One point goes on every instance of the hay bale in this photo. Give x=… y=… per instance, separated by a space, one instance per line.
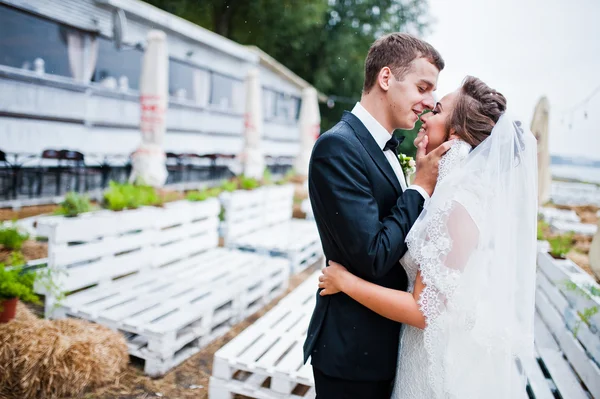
x=53 y=359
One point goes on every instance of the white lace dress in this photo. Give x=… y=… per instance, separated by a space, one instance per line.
x=411 y=377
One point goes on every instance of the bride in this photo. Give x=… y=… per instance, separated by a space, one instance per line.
x=468 y=315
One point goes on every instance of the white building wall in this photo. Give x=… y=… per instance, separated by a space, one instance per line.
x=37 y=113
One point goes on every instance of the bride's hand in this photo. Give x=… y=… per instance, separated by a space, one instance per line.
x=333 y=279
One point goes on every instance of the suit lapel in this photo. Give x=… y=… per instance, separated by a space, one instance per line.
x=372 y=149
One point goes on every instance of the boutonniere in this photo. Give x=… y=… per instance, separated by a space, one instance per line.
x=408 y=165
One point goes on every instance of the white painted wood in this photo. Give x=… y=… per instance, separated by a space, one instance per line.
x=537 y=382
x=562 y=226
x=269 y=348
x=581 y=331
x=156 y=275
x=552 y=214
x=574 y=284
x=574 y=352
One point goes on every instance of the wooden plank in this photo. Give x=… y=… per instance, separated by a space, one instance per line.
x=574 y=284
x=581 y=331
x=576 y=355
x=537 y=381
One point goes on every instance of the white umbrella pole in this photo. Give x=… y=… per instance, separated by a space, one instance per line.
x=539 y=127
x=310 y=124
x=252 y=156
x=149 y=161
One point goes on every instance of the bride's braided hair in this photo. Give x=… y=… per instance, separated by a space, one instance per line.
x=477 y=109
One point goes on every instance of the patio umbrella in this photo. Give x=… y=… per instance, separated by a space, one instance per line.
x=252 y=158
x=310 y=124
x=539 y=127
x=148 y=161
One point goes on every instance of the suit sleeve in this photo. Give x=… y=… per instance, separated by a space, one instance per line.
x=341 y=190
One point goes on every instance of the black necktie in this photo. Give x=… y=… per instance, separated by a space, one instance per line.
x=393 y=143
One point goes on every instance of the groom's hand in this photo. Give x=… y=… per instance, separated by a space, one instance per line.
x=428 y=164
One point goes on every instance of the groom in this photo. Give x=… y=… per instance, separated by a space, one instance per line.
x=364 y=210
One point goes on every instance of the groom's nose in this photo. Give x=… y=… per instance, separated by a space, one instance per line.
x=428 y=101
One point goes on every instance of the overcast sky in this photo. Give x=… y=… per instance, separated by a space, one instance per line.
x=526 y=49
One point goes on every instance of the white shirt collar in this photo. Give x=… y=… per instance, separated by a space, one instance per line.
x=379 y=133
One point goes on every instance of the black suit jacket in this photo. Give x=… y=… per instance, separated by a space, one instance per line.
x=363 y=218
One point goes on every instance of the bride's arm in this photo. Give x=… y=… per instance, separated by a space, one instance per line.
x=396 y=305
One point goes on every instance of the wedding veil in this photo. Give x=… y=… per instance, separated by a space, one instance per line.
x=476 y=246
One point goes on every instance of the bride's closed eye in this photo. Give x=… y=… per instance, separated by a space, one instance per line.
x=437 y=109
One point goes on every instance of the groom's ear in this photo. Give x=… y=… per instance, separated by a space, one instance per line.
x=383 y=78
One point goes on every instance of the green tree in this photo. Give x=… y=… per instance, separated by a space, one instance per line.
x=323 y=41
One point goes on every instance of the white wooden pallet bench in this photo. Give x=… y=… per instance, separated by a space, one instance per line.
x=568 y=193
x=157 y=276
x=567 y=348
x=265 y=360
x=565 y=215
x=562 y=226
x=261 y=221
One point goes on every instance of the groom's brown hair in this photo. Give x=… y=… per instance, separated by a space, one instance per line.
x=397 y=51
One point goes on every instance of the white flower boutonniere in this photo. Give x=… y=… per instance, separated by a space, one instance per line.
x=408 y=165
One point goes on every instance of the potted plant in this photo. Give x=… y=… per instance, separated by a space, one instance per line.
x=15 y=284
x=12 y=238
x=74 y=204
x=560 y=245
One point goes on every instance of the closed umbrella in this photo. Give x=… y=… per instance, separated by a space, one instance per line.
x=539 y=127
x=148 y=161
x=252 y=157
x=310 y=125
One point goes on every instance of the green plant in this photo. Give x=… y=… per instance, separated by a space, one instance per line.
x=287 y=177
x=542 y=227
x=17 y=258
x=17 y=283
x=560 y=245
x=229 y=186
x=201 y=195
x=267 y=178
x=128 y=196
x=248 y=183
x=587 y=313
x=197 y=195
x=74 y=204
x=11 y=237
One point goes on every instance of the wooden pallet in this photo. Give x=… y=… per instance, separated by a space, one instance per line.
x=296 y=240
x=561 y=226
x=156 y=275
x=265 y=360
x=565 y=215
x=261 y=221
x=568 y=350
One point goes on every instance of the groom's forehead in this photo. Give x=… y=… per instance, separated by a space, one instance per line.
x=426 y=72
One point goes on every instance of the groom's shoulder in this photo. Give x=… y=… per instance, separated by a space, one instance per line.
x=340 y=136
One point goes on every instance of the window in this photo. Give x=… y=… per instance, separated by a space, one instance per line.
x=280 y=107
x=181 y=80
x=113 y=65
x=221 y=93
x=25 y=38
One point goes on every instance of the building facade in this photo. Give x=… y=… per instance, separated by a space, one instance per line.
x=70 y=71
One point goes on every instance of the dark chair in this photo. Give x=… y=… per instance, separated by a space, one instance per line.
x=75 y=167
x=55 y=170
x=175 y=168
x=6 y=177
